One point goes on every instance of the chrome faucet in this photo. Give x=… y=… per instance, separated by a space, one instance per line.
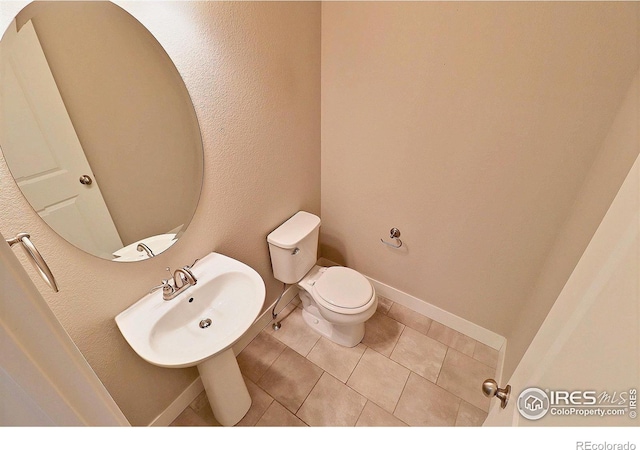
x=142 y=247
x=182 y=279
x=185 y=277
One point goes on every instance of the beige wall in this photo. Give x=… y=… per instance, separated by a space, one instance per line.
x=616 y=156
x=471 y=127
x=130 y=109
x=253 y=70
x=591 y=337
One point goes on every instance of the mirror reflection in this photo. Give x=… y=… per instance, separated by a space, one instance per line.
x=98 y=129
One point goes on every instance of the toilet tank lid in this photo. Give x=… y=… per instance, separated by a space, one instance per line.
x=290 y=233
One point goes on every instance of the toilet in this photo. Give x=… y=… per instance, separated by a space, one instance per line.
x=336 y=301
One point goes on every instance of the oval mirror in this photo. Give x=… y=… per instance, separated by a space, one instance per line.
x=98 y=129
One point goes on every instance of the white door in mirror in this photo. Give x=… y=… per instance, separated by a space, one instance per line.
x=45 y=156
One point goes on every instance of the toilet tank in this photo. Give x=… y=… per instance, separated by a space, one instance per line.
x=293 y=247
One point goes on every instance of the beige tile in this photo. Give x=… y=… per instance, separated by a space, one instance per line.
x=470 y=416
x=420 y=354
x=260 y=402
x=452 y=338
x=202 y=408
x=384 y=304
x=295 y=333
x=374 y=416
x=463 y=376
x=486 y=355
x=256 y=357
x=189 y=418
x=410 y=318
x=290 y=379
x=332 y=404
x=379 y=379
x=382 y=333
x=336 y=359
x=424 y=404
x=279 y=416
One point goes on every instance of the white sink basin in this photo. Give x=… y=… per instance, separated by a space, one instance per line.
x=199 y=326
x=168 y=334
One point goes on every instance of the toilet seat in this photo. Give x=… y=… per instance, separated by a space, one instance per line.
x=343 y=290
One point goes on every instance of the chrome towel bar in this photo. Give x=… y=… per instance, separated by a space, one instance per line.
x=36 y=258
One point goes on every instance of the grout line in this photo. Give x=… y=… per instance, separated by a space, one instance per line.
x=358 y=362
x=446 y=390
x=362 y=410
x=404 y=386
x=404 y=327
x=270 y=364
x=265 y=410
x=441 y=366
x=345 y=383
x=315 y=344
x=457 y=412
x=310 y=391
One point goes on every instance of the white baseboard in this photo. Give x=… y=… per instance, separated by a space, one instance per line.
x=502 y=353
x=170 y=414
x=446 y=318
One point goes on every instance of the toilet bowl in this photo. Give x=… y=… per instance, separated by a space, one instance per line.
x=336 y=301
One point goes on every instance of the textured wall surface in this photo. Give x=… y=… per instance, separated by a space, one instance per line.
x=253 y=72
x=470 y=126
x=482 y=130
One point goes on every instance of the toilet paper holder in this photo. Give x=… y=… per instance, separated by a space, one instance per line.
x=394 y=233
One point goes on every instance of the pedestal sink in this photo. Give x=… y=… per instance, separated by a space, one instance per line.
x=198 y=328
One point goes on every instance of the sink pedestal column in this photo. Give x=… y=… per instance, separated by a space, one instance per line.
x=225 y=387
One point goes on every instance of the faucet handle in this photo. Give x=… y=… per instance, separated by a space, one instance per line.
x=165 y=286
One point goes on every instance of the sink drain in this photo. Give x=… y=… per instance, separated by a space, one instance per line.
x=205 y=323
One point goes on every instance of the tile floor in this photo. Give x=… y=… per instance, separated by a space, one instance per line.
x=408 y=371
